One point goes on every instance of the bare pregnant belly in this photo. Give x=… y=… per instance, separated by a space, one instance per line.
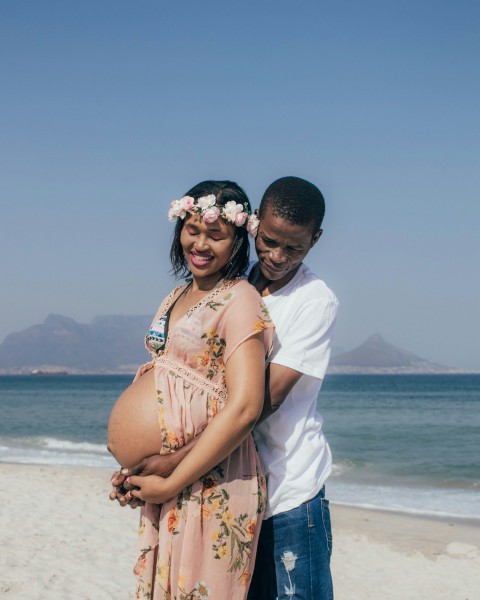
x=133 y=428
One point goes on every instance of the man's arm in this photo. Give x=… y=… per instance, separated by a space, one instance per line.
x=279 y=382
x=306 y=351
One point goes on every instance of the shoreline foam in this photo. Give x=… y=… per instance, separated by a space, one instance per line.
x=66 y=454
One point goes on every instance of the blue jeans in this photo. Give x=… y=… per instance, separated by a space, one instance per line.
x=293 y=556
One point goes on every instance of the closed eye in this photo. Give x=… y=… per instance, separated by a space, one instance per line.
x=269 y=242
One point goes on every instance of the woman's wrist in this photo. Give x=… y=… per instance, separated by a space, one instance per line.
x=175 y=484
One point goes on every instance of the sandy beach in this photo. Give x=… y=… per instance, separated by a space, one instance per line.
x=62 y=538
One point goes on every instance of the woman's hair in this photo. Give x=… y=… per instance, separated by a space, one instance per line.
x=224 y=191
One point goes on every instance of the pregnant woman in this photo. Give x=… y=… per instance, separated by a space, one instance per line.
x=208 y=342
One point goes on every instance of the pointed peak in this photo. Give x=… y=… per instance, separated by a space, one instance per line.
x=377 y=352
x=376 y=338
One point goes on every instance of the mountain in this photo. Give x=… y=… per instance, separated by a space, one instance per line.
x=114 y=344
x=109 y=343
x=377 y=355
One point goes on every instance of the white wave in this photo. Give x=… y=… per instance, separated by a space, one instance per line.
x=48 y=457
x=340 y=468
x=55 y=451
x=58 y=444
x=411 y=511
x=400 y=498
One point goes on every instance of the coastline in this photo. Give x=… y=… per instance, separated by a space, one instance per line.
x=65 y=539
x=49 y=371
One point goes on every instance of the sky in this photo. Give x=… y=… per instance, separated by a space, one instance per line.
x=111 y=109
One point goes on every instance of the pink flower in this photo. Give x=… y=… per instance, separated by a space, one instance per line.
x=240 y=218
x=210 y=214
x=252 y=225
x=187 y=202
x=206 y=202
x=229 y=211
x=234 y=213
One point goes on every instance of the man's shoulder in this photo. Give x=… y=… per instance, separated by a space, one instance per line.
x=309 y=287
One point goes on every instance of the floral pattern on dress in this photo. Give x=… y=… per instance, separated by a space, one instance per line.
x=211 y=357
x=201 y=544
x=233 y=535
x=170 y=440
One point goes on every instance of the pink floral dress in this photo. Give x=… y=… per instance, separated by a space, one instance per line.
x=201 y=545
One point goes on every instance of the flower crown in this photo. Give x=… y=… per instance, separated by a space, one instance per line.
x=234 y=213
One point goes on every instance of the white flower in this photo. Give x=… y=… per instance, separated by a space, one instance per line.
x=206 y=201
x=176 y=210
x=201 y=590
x=230 y=211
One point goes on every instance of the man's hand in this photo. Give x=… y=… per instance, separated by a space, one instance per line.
x=120 y=492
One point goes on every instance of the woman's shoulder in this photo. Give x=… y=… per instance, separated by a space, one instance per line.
x=241 y=284
x=169 y=298
x=242 y=289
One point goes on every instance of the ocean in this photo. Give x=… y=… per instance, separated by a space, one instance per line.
x=400 y=442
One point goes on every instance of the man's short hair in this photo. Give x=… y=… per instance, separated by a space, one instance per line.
x=295 y=200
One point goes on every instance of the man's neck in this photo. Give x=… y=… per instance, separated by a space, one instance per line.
x=265 y=286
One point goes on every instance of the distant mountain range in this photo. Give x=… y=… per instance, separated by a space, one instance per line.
x=109 y=344
x=114 y=344
x=376 y=355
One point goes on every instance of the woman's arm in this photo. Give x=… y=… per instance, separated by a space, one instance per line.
x=245 y=381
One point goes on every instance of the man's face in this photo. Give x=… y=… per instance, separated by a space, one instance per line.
x=281 y=246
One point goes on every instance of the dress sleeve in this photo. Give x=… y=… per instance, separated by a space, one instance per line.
x=245 y=316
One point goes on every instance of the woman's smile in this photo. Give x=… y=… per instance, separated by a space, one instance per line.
x=200 y=259
x=207 y=248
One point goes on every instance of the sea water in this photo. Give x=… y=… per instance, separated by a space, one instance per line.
x=405 y=442
x=399 y=442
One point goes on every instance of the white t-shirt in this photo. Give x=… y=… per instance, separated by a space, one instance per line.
x=291 y=443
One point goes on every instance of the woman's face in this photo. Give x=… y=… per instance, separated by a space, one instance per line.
x=207 y=248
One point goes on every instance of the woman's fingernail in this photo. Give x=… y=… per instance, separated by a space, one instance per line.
x=124 y=471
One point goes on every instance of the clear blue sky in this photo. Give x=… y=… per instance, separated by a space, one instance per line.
x=110 y=109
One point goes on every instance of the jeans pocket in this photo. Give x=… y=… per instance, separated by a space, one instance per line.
x=327 y=525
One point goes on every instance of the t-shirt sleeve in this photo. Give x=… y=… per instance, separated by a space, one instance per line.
x=306 y=342
x=245 y=316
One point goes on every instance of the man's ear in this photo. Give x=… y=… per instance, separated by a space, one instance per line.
x=316 y=237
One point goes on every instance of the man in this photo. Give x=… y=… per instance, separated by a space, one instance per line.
x=293 y=557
